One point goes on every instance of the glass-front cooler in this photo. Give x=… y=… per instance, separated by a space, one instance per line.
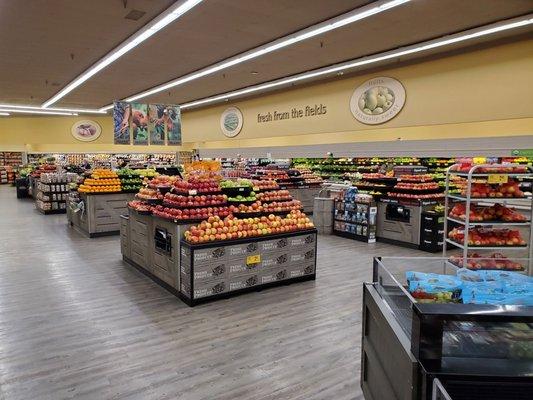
x=417 y=340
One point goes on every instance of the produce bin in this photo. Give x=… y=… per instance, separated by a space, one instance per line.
x=216 y=270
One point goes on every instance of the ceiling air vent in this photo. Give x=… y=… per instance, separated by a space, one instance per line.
x=135 y=15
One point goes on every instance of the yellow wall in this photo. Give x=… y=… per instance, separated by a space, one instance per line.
x=483 y=93
x=52 y=134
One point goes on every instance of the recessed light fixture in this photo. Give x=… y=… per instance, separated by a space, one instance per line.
x=4 y=114
x=335 y=69
x=70 y=110
x=254 y=72
x=162 y=20
x=307 y=33
x=18 y=110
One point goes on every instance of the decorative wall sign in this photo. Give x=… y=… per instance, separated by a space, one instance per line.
x=86 y=130
x=121 y=122
x=156 y=124
x=378 y=100
x=139 y=123
x=173 y=122
x=231 y=122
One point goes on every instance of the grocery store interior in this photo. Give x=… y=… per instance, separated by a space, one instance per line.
x=259 y=200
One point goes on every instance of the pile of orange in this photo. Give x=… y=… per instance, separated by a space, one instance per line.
x=101 y=181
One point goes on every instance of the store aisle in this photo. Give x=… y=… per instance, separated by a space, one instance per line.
x=75 y=322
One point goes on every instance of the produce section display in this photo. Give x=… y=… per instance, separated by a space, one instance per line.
x=51 y=192
x=101 y=181
x=354 y=216
x=481 y=225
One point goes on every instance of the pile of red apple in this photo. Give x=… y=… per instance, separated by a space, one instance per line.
x=139 y=206
x=253 y=208
x=374 y=175
x=484 y=190
x=416 y=196
x=476 y=261
x=520 y=169
x=177 y=200
x=199 y=185
x=188 y=214
x=275 y=195
x=496 y=212
x=415 y=178
x=265 y=185
x=149 y=194
x=231 y=228
x=417 y=186
x=488 y=237
x=163 y=181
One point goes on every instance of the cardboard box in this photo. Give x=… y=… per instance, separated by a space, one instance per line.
x=299 y=270
x=244 y=249
x=274 y=245
x=209 y=288
x=242 y=281
x=273 y=275
x=275 y=259
x=239 y=267
x=302 y=256
x=302 y=241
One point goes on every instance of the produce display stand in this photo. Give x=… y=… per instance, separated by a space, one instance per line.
x=212 y=271
x=306 y=195
x=154 y=246
x=473 y=175
x=355 y=219
x=99 y=214
x=400 y=221
x=51 y=198
x=477 y=352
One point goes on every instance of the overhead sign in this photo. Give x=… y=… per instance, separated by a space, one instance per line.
x=231 y=122
x=378 y=100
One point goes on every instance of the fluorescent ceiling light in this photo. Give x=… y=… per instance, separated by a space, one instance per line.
x=171 y=14
x=71 y=110
x=312 y=31
x=4 y=114
x=417 y=48
x=18 y=110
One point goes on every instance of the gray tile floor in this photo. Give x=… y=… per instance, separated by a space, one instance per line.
x=76 y=323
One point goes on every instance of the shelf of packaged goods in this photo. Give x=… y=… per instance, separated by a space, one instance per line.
x=351 y=222
x=487 y=199
x=461 y=246
x=352 y=202
x=489 y=223
x=486 y=174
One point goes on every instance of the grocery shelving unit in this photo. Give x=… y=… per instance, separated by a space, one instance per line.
x=52 y=194
x=355 y=219
x=491 y=178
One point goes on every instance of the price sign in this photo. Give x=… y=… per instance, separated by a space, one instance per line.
x=479 y=160
x=193 y=192
x=256 y=259
x=241 y=189
x=497 y=178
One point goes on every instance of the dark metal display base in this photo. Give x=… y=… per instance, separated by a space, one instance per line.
x=349 y=235
x=397 y=243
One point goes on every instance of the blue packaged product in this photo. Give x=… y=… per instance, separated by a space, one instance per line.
x=434 y=288
x=467 y=275
x=503 y=299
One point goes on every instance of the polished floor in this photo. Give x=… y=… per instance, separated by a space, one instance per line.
x=76 y=323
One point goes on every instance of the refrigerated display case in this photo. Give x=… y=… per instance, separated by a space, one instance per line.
x=476 y=351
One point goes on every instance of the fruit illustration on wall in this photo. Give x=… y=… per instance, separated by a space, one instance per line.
x=376 y=100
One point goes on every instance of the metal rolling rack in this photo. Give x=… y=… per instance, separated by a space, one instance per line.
x=468 y=200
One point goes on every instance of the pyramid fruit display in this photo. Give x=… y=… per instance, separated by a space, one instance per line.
x=101 y=181
x=217 y=229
